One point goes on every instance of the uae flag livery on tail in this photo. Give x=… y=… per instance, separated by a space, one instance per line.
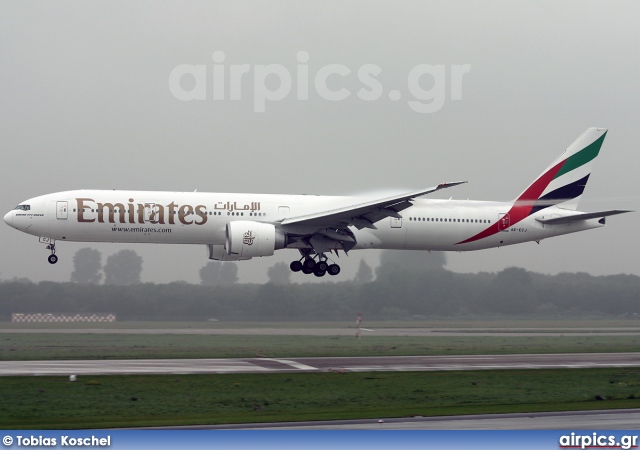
x=561 y=185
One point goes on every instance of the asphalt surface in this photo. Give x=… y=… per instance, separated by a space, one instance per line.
x=627 y=331
x=321 y=364
x=623 y=419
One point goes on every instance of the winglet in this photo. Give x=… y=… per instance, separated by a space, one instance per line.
x=448 y=185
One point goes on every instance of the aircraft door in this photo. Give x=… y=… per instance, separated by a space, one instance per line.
x=283 y=212
x=504 y=222
x=396 y=223
x=151 y=212
x=62 y=210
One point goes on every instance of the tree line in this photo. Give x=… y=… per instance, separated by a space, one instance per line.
x=407 y=285
x=125 y=267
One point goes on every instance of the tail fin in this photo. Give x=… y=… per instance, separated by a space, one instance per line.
x=563 y=182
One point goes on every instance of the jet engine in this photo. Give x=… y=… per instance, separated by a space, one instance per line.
x=247 y=239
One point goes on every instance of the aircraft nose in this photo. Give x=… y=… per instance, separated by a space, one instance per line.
x=8 y=218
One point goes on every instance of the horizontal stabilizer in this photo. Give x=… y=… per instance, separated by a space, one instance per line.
x=580 y=216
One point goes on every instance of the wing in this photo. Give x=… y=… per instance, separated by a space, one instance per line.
x=328 y=230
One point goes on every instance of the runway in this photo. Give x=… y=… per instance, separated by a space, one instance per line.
x=321 y=364
x=260 y=331
x=622 y=419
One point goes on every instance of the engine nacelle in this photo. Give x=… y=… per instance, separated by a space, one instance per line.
x=247 y=239
x=219 y=253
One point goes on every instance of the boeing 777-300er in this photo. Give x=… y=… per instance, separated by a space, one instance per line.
x=236 y=227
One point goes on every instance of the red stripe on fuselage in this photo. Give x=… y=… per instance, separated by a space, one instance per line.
x=522 y=207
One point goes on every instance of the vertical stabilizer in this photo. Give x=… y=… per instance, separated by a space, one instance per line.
x=563 y=182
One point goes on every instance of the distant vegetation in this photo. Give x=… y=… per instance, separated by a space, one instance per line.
x=408 y=285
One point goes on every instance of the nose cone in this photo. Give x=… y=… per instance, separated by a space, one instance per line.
x=8 y=218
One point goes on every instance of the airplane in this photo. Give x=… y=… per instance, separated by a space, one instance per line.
x=235 y=227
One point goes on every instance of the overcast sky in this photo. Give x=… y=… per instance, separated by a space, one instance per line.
x=86 y=102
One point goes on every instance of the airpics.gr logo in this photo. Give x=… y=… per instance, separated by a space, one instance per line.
x=596 y=440
x=275 y=82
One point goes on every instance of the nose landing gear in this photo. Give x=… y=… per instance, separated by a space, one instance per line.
x=52 y=257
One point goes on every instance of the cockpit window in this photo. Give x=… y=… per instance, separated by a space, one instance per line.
x=23 y=207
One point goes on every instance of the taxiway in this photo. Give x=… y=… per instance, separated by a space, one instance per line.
x=319 y=364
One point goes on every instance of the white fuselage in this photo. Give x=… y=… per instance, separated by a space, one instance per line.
x=201 y=218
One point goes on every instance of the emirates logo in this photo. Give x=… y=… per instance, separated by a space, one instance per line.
x=248 y=238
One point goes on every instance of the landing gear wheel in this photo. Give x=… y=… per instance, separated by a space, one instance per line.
x=321 y=266
x=295 y=266
x=52 y=259
x=307 y=271
x=333 y=269
x=319 y=273
x=309 y=264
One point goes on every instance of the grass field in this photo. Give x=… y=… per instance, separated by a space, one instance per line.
x=125 y=346
x=129 y=401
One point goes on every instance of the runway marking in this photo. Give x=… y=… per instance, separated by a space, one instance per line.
x=472 y=358
x=293 y=364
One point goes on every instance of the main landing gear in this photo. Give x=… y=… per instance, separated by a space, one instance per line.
x=308 y=265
